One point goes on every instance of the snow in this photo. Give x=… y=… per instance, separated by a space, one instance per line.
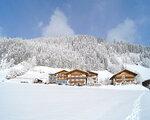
x=40 y=72
x=124 y=87
x=19 y=67
x=104 y=75
x=145 y=107
x=135 y=114
x=142 y=71
x=80 y=51
x=21 y=101
x=3 y=73
x=54 y=102
x=44 y=69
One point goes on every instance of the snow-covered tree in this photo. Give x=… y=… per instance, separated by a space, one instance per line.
x=84 y=52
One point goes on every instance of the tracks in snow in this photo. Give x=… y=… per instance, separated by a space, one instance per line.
x=135 y=114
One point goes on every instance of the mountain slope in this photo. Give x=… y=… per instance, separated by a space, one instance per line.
x=84 y=52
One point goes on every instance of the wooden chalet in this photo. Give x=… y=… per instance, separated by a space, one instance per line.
x=61 y=75
x=92 y=78
x=77 y=77
x=92 y=74
x=123 y=77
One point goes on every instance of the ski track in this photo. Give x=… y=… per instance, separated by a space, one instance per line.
x=135 y=114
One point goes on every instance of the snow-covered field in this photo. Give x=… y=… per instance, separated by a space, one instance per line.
x=27 y=101
x=21 y=101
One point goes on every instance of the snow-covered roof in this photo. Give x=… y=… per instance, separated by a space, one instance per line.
x=142 y=71
x=124 y=70
x=78 y=71
x=61 y=71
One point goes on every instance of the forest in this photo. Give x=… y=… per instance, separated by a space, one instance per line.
x=80 y=51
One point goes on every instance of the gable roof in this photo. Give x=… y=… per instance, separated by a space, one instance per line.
x=61 y=71
x=125 y=70
x=93 y=73
x=77 y=70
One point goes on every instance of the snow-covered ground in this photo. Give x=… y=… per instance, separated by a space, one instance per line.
x=26 y=101
x=20 y=101
x=145 y=106
x=40 y=72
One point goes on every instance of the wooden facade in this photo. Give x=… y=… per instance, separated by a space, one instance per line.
x=92 y=78
x=61 y=75
x=123 y=77
x=77 y=77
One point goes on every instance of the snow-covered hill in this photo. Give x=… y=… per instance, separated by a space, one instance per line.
x=85 y=52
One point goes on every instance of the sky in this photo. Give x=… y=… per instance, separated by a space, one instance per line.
x=125 y=20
